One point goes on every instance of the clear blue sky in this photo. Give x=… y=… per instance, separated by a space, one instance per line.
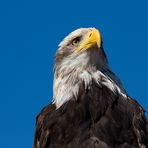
x=30 y=31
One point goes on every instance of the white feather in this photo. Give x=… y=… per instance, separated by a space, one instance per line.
x=72 y=35
x=64 y=89
x=77 y=68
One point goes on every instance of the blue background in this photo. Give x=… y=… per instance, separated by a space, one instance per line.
x=29 y=34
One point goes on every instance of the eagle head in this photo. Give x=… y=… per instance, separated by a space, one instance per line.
x=81 y=49
x=79 y=59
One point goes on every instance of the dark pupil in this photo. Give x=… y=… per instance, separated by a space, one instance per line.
x=76 y=40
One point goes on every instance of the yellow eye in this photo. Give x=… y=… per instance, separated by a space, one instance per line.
x=76 y=41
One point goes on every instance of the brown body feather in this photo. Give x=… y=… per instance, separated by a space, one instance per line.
x=98 y=118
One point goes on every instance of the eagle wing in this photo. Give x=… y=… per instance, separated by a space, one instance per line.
x=42 y=133
x=98 y=118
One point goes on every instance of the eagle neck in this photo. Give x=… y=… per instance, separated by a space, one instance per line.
x=81 y=70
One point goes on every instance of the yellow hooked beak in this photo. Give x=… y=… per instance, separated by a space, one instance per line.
x=92 y=37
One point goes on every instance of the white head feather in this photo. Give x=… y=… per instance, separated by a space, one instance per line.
x=76 y=68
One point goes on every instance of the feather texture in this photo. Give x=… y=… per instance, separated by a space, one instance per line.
x=90 y=107
x=99 y=118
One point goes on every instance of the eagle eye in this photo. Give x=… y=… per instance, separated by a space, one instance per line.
x=75 y=41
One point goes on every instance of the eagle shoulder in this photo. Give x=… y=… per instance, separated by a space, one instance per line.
x=41 y=131
x=98 y=118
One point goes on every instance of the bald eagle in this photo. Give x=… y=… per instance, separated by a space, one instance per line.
x=90 y=107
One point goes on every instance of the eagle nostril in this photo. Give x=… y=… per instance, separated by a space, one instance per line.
x=90 y=34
